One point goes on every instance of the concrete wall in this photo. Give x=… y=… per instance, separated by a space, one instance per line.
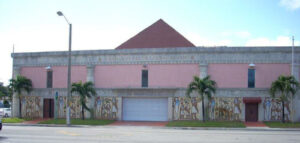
x=38 y=76
x=60 y=75
x=265 y=74
x=159 y=75
x=172 y=75
x=229 y=75
x=236 y=75
x=109 y=76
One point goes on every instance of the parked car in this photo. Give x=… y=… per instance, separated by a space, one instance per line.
x=5 y=112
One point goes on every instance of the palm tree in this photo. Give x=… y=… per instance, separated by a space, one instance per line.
x=84 y=90
x=18 y=85
x=285 y=87
x=203 y=87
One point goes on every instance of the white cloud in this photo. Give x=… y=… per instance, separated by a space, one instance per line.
x=203 y=41
x=279 y=41
x=290 y=4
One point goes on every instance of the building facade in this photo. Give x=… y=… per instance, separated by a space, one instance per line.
x=145 y=79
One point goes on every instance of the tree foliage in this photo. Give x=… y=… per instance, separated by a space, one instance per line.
x=284 y=88
x=84 y=90
x=18 y=85
x=204 y=87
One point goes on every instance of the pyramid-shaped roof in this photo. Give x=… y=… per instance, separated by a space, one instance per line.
x=157 y=35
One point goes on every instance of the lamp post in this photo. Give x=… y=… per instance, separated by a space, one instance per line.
x=59 y=13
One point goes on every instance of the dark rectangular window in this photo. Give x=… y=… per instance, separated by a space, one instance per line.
x=251 y=78
x=144 y=78
x=49 y=79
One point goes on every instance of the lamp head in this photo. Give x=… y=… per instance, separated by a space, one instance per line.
x=252 y=65
x=48 y=67
x=59 y=13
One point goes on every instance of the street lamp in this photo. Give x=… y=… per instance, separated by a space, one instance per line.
x=59 y=13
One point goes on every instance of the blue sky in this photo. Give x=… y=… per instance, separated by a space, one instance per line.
x=32 y=25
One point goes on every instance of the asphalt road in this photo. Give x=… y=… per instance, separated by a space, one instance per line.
x=125 y=134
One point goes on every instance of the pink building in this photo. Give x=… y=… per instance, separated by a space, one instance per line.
x=145 y=79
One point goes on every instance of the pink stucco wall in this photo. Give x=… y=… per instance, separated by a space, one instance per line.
x=236 y=75
x=109 y=76
x=265 y=74
x=60 y=75
x=36 y=74
x=229 y=75
x=171 y=75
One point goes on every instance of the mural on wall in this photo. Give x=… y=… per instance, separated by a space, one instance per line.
x=185 y=108
x=106 y=107
x=75 y=107
x=31 y=107
x=225 y=108
x=61 y=106
x=273 y=109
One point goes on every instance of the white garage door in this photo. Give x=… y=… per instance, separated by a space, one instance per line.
x=145 y=109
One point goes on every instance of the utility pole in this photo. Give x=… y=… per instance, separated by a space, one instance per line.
x=292 y=55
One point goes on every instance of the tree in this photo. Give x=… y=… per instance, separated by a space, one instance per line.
x=204 y=87
x=19 y=85
x=84 y=90
x=284 y=87
x=3 y=91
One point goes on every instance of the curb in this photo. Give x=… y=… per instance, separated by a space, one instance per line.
x=236 y=129
x=177 y=128
x=43 y=125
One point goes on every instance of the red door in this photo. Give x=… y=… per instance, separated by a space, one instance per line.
x=48 y=108
x=251 y=112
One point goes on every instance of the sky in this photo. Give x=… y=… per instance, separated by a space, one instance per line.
x=34 y=26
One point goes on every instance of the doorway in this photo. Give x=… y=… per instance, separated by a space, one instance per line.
x=251 y=112
x=48 y=108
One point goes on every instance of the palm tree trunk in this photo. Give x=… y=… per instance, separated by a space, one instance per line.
x=82 y=111
x=203 y=115
x=282 y=120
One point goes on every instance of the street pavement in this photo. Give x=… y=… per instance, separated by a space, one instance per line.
x=138 y=134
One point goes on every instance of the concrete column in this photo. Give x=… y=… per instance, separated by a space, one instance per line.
x=170 y=109
x=243 y=108
x=15 y=104
x=260 y=112
x=90 y=77
x=203 y=69
x=90 y=73
x=119 y=113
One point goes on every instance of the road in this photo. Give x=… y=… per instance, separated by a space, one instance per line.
x=129 y=134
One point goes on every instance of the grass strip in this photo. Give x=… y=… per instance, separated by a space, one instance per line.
x=78 y=122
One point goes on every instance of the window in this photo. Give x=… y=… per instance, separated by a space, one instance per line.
x=49 y=79
x=251 y=78
x=144 y=78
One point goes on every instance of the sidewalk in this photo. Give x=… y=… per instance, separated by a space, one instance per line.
x=255 y=124
x=250 y=127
